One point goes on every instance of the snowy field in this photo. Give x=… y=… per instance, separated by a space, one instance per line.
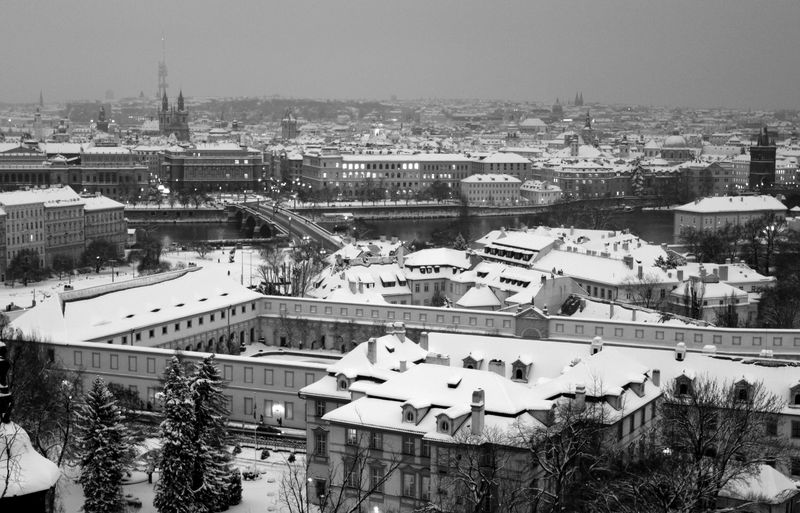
x=258 y=496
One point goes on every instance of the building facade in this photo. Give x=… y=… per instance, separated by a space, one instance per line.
x=762 y=161
x=213 y=167
x=175 y=119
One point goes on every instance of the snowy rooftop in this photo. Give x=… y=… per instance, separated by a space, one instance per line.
x=418 y=157
x=733 y=204
x=92 y=317
x=47 y=196
x=100 y=203
x=491 y=177
x=438 y=257
x=601 y=269
x=505 y=158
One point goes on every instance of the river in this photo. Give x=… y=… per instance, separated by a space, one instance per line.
x=653 y=226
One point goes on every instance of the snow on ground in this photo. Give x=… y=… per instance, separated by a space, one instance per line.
x=259 y=496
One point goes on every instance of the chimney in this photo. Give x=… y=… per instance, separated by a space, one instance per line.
x=423 y=340
x=498 y=367
x=655 y=377
x=597 y=345
x=383 y=238
x=400 y=331
x=580 y=396
x=611 y=310
x=628 y=260
x=403 y=366
x=680 y=352
x=633 y=314
x=572 y=230
x=640 y=274
x=616 y=247
x=478 y=410
x=680 y=274
x=723 y=273
x=372 y=350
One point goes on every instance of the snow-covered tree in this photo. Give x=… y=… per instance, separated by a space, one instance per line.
x=103 y=450
x=174 y=492
x=211 y=472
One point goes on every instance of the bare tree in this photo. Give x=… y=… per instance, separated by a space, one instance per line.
x=572 y=445
x=202 y=248
x=720 y=431
x=349 y=483
x=480 y=473
x=645 y=290
x=45 y=398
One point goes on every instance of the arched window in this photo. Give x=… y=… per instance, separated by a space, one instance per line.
x=518 y=374
x=741 y=394
x=445 y=426
x=410 y=416
x=797 y=398
x=683 y=389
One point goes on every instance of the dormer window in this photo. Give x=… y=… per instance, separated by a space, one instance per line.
x=794 y=394
x=742 y=391
x=342 y=383
x=444 y=426
x=520 y=369
x=409 y=416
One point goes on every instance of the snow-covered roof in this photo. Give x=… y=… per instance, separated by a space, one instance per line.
x=399 y=157
x=438 y=256
x=479 y=297
x=30 y=471
x=491 y=177
x=91 y=203
x=142 y=304
x=720 y=204
x=50 y=196
x=765 y=486
x=500 y=157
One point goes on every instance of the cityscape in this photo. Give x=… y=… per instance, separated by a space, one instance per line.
x=379 y=257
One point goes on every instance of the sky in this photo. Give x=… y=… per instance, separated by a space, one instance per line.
x=708 y=53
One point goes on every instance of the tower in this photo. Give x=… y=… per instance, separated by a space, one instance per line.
x=162 y=70
x=288 y=126
x=102 y=122
x=762 y=161
x=41 y=99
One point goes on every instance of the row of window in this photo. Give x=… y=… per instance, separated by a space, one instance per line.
x=679 y=336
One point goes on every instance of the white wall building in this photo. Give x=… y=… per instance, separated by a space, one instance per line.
x=491 y=189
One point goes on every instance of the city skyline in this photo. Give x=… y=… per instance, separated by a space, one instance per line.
x=731 y=54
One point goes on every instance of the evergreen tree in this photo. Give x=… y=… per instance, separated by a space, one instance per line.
x=211 y=472
x=174 y=493
x=103 y=450
x=235 y=487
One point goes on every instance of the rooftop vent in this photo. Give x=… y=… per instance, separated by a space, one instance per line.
x=453 y=381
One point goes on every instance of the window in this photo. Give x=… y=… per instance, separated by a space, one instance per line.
x=268 y=378
x=288 y=378
x=248 y=406
x=320 y=443
x=772 y=428
x=114 y=362
x=796 y=429
x=376 y=479
x=351 y=436
x=408 y=445
x=151 y=365
x=319 y=408
x=132 y=363
x=177 y=326
x=268 y=408
x=248 y=374
x=151 y=333
x=425 y=488
x=200 y=321
x=376 y=441
x=78 y=358
x=95 y=359
x=795 y=466
x=409 y=485
x=188 y=324
x=163 y=330
x=425 y=449
x=288 y=408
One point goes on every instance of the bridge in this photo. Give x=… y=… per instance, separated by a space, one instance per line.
x=266 y=218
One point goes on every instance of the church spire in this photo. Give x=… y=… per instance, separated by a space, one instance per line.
x=164 y=102
x=588 y=123
x=180 y=101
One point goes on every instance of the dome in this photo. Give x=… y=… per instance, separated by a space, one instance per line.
x=675 y=141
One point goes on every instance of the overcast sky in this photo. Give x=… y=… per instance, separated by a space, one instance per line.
x=672 y=52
